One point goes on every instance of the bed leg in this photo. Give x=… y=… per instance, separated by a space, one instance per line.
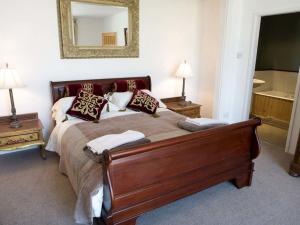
x=244 y=180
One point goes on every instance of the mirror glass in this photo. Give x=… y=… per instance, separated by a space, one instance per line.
x=96 y=25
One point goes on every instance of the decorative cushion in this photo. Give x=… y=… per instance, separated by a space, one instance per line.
x=72 y=89
x=141 y=101
x=128 y=85
x=87 y=106
x=161 y=104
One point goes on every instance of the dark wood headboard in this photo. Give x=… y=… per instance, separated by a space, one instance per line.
x=58 y=88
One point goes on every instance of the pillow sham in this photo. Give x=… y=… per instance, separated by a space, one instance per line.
x=143 y=102
x=87 y=106
x=128 y=85
x=72 y=89
x=161 y=104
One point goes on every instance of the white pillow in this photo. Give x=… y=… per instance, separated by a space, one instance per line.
x=112 y=108
x=161 y=104
x=121 y=99
x=60 y=108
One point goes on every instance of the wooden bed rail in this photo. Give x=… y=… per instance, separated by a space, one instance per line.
x=203 y=134
x=138 y=180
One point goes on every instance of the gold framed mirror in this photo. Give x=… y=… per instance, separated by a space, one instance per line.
x=99 y=28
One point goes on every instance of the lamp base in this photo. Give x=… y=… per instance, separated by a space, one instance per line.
x=14 y=120
x=15 y=124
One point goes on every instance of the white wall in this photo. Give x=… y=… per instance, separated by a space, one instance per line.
x=212 y=28
x=170 y=31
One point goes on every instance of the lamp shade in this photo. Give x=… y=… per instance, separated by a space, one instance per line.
x=184 y=70
x=9 y=78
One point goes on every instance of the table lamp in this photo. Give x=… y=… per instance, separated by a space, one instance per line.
x=184 y=71
x=10 y=79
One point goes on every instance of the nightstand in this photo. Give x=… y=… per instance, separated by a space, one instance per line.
x=30 y=134
x=191 y=110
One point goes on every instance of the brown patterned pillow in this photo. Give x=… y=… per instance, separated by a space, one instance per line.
x=72 y=89
x=141 y=101
x=128 y=85
x=87 y=106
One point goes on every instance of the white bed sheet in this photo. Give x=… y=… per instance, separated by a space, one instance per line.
x=54 y=145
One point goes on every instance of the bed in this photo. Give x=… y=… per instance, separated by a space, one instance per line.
x=139 y=179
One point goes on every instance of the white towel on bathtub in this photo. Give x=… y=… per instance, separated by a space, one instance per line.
x=108 y=142
x=204 y=121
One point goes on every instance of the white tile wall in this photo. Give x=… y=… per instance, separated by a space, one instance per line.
x=277 y=81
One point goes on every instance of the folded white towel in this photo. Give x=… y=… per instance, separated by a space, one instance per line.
x=108 y=142
x=204 y=121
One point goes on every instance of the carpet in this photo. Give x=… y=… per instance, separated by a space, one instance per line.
x=33 y=192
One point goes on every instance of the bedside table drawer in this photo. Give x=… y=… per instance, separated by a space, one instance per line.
x=187 y=109
x=6 y=141
x=193 y=113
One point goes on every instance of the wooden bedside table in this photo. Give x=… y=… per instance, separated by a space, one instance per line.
x=30 y=134
x=192 y=110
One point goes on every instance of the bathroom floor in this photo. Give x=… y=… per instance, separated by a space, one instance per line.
x=273 y=135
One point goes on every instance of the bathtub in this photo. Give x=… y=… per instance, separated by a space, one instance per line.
x=273 y=106
x=277 y=94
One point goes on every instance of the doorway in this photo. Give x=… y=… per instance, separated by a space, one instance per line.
x=275 y=84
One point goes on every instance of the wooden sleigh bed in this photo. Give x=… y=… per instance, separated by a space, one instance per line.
x=140 y=179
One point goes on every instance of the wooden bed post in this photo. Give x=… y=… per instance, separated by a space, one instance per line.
x=244 y=180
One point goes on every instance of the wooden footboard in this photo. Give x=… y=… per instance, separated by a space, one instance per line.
x=141 y=179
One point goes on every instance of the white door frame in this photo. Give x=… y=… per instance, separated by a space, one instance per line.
x=293 y=134
x=294 y=128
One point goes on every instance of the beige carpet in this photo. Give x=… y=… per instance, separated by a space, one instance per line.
x=33 y=192
x=273 y=135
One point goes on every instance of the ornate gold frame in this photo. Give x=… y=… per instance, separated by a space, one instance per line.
x=70 y=51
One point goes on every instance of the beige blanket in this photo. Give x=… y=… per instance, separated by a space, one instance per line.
x=85 y=175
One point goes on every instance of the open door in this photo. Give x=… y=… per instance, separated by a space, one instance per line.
x=294 y=130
